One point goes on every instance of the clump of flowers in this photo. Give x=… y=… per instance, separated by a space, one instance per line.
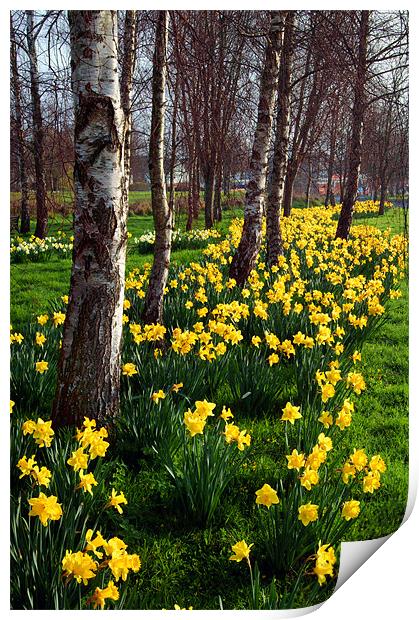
x=41 y=431
x=28 y=467
x=82 y=567
x=91 y=439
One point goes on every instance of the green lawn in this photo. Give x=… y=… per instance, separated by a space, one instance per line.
x=34 y=285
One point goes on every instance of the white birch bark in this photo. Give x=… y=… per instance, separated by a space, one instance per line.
x=162 y=214
x=245 y=257
x=89 y=365
x=274 y=246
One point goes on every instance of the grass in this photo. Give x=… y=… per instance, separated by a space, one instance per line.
x=34 y=285
x=382 y=420
x=187 y=565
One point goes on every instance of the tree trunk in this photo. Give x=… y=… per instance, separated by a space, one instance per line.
x=209 y=187
x=25 y=223
x=173 y=147
x=127 y=73
x=289 y=188
x=196 y=190
x=189 y=220
x=246 y=254
x=38 y=132
x=191 y=192
x=90 y=361
x=383 y=190
x=279 y=165
x=333 y=133
x=163 y=216
x=308 y=187
x=218 y=212
x=355 y=152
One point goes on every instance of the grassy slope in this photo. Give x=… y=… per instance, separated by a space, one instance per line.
x=190 y=566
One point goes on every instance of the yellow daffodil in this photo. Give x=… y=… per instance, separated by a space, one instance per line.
x=266 y=496
x=241 y=551
x=290 y=413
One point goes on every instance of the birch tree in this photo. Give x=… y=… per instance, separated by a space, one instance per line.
x=89 y=366
x=163 y=216
x=280 y=156
x=38 y=131
x=245 y=257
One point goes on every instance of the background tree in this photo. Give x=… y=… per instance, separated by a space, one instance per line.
x=127 y=73
x=18 y=134
x=38 y=131
x=355 y=151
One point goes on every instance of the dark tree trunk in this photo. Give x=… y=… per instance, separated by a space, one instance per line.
x=289 y=188
x=209 y=187
x=245 y=257
x=331 y=164
x=383 y=190
x=279 y=165
x=38 y=133
x=163 y=216
x=189 y=221
x=196 y=190
x=173 y=148
x=218 y=212
x=25 y=223
x=89 y=367
x=355 y=150
x=308 y=187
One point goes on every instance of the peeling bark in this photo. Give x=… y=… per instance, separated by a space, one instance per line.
x=245 y=257
x=89 y=365
x=38 y=132
x=355 y=150
x=163 y=216
x=279 y=165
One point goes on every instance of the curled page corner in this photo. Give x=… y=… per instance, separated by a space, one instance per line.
x=354 y=554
